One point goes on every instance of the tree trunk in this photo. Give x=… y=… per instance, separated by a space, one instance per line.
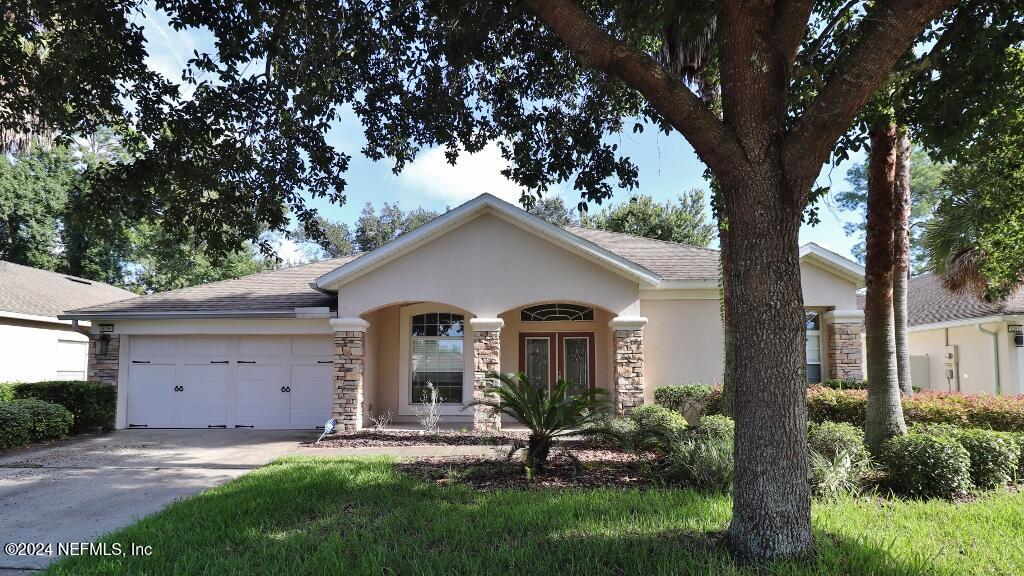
x=901 y=266
x=767 y=373
x=884 y=412
x=729 y=339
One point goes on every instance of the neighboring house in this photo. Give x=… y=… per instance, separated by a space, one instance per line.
x=961 y=344
x=34 y=344
x=485 y=286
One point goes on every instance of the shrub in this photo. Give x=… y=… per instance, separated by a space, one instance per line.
x=838 y=458
x=828 y=405
x=30 y=420
x=845 y=384
x=6 y=393
x=702 y=461
x=690 y=400
x=654 y=427
x=995 y=457
x=717 y=426
x=94 y=404
x=926 y=466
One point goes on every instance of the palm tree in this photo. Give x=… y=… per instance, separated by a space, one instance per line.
x=549 y=416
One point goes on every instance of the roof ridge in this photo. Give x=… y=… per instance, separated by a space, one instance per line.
x=669 y=242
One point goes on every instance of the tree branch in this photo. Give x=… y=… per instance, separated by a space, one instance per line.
x=887 y=35
x=793 y=18
x=815 y=45
x=710 y=138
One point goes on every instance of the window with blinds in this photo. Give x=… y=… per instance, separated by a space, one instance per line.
x=813 y=325
x=437 y=356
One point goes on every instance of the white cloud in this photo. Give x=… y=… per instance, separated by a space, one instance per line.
x=431 y=177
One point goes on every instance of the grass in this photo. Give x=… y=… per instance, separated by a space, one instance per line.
x=359 y=516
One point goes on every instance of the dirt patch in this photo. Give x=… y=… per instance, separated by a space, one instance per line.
x=586 y=468
x=375 y=438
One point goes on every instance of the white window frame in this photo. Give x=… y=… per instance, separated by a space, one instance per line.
x=406 y=405
x=816 y=334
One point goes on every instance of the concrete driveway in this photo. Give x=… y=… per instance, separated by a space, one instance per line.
x=78 y=490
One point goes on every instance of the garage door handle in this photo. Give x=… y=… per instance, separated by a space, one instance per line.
x=286 y=388
x=179 y=388
x=218 y=361
x=325 y=361
x=140 y=361
x=246 y=361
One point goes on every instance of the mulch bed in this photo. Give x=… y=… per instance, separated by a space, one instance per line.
x=591 y=468
x=375 y=438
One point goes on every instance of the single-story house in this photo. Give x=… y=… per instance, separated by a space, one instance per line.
x=485 y=286
x=34 y=344
x=961 y=344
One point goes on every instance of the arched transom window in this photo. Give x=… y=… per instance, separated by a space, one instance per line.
x=557 y=312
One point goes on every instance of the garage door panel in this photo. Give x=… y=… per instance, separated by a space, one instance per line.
x=203 y=398
x=262 y=346
x=154 y=346
x=151 y=395
x=311 y=395
x=261 y=403
x=208 y=346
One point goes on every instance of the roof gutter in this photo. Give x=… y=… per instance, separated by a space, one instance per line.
x=995 y=355
x=182 y=314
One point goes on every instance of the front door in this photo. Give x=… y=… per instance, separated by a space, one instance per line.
x=547 y=357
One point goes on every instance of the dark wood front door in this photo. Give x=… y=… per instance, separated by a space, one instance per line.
x=547 y=357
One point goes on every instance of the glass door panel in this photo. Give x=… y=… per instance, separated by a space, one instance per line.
x=538 y=360
x=576 y=363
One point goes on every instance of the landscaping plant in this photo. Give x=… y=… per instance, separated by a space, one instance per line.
x=92 y=403
x=926 y=466
x=703 y=457
x=548 y=415
x=838 y=458
x=690 y=400
x=29 y=420
x=654 y=428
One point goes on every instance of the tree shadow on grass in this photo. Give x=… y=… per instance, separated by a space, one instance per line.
x=307 y=516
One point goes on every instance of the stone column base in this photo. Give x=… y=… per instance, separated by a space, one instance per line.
x=486 y=358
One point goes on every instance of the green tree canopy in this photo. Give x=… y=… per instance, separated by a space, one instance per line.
x=553 y=209
x=373 y=230
x=683 y=221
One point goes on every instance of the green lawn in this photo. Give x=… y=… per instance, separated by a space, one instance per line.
x=355 y=516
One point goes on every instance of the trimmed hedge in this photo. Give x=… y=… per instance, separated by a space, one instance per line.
x=834 y=439
x=995 y=457
x=845 y=384
x=1001 y=413
x=927 y=466
x=93 y=404
x=690 y=398
x=29 y=420
x=6 y=393
x=655 y=426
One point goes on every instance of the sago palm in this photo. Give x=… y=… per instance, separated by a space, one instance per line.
x=548 y=415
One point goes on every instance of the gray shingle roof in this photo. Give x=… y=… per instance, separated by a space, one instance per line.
x=669 y=260
x=27 y=290
x=288 y=288
x=929 y=303
x=279 y=291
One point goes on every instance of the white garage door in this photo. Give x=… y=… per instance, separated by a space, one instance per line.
x=229 y=381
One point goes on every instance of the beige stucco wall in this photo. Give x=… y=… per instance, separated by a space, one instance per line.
x=974 y=350
x=825 y=290
x=684 y=343
x=32 y=351
x=488 y=266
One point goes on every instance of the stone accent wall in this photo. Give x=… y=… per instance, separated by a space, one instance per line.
x=629 y=370
x=349 y=358
x=486 y=357
x=844 y=351
x=104 y=367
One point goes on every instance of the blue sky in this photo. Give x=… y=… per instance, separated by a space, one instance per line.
x=668 y=165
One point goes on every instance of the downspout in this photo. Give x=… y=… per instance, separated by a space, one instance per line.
x=995 y=355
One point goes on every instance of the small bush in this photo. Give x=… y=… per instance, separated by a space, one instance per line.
x=926 y=466
x=838 y=458
x=828 y=405
x=94 y=404
x=717 y=426
x=701 y=461
x=25 y=421
x=690 y=400
x=6 y=393
x=995 y=457
x=655 y=426
x=845 y=384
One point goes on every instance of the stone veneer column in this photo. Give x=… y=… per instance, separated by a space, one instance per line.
x=628 y=392
x=845 y=352
x=486 y=358
x=103 y=367
x=349 y=368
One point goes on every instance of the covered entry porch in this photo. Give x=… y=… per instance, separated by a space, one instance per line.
x=385 y=359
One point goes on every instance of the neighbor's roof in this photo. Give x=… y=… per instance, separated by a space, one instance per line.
x=929 y=303
x=276 y=292
x=33 y=292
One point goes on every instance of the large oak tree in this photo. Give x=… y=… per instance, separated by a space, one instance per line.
x=546 y=80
